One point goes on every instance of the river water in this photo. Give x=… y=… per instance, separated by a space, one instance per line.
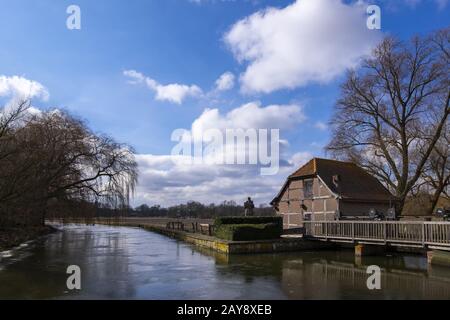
x=131 y=263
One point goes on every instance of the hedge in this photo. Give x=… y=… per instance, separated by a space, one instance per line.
x=248 y=228
x=247 y=220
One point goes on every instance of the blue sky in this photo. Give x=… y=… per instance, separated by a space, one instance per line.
x=192 y=43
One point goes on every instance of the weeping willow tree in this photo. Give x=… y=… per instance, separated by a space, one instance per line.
x=51 y=158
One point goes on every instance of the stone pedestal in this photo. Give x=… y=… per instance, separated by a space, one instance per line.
x=364 y=250
x=439 y=257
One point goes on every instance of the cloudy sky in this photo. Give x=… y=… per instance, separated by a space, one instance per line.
x=138 y=70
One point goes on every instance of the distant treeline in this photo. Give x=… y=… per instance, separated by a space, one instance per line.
x=191 y=209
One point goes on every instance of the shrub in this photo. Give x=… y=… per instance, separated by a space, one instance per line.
x=248 y=228
x=247 y=220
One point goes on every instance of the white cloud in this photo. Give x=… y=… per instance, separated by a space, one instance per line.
x=175 y=93
x=321 y=125
x=134 y=76
x=300 y=158
x=17 y=87
x=225 y=82
x=307 y=41
x=166 y=180
x=248 y=116
x=251 y=116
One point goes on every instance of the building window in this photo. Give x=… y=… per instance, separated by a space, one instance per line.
x=308 y=189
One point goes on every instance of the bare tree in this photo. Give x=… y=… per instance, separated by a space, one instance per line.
x=9 y=117
x=393 y=111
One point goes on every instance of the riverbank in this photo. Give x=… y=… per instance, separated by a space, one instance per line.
x=12 y=237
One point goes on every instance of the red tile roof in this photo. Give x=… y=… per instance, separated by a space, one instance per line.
x=354 y=182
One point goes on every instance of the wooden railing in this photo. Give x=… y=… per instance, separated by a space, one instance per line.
x=175 y=225
x=194 y=227
x=399 y=232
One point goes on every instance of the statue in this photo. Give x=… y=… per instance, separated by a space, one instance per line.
x=249 y=206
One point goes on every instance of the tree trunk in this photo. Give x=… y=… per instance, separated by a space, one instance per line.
x=399 y=206
x=435 y=199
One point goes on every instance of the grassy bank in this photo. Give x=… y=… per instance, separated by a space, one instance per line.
x=12 y=237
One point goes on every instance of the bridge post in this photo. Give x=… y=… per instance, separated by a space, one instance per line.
x=364 y=250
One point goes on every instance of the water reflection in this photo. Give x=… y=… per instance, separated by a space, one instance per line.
x=128 y=263
x=339 y=275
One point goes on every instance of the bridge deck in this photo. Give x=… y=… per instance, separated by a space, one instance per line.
x=434 y=235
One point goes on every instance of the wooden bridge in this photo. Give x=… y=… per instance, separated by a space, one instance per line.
x=433 y=235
